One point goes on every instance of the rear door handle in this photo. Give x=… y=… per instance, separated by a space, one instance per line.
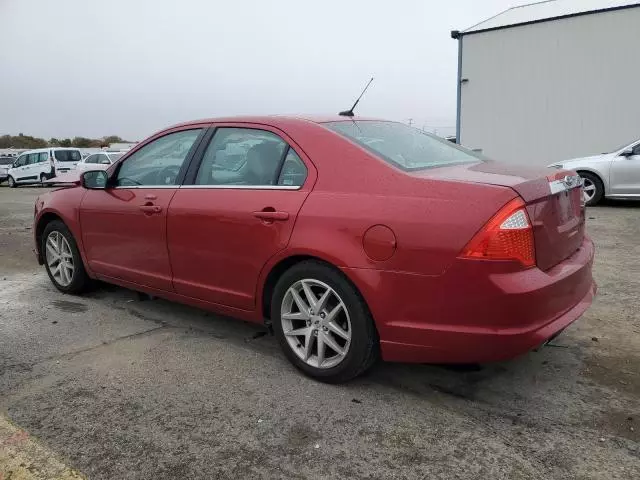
x=150 y=209
x=271 y=216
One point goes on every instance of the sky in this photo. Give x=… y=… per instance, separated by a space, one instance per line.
x=132 y=67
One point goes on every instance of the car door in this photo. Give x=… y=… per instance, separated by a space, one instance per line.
x=624 y=178
x=31 y=167
x=18 y=171
x=124 y=225
x=88 y=163
x=236 y=210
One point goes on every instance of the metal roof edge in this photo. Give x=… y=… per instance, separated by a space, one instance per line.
x=457 y=34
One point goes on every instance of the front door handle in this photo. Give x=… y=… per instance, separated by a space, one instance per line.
x=271 y=216
x=150 y=209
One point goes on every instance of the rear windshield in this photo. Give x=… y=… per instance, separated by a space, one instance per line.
x=7 y=160
x=402 y=146
x=68 y=155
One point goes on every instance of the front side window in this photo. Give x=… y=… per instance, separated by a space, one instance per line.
x=402 y=146
x=21 y=161
x=242 y=156
x=68 y=155
x=158 y=163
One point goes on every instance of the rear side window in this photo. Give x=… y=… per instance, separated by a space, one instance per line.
x=67 y=155
x=43 y=157
x=402 y=146
x=32 y=158
x=293 y=173
x=242 y=156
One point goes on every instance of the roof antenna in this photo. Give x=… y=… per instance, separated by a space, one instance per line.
x=349 y=113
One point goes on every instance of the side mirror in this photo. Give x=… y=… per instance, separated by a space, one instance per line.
x=94 y=179
x=627 y=152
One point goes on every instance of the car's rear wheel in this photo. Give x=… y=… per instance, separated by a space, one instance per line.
x=322 y=323
x=62 y=259
x=43 y=178
x=593 y=188
x=11 y=182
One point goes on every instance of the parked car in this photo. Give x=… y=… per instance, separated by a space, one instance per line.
x=352 y=238
x=5 y=165
x=37 y=166
x=99 y=161
x=608 y=175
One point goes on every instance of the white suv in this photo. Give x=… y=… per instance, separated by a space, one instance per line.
x=36 y=166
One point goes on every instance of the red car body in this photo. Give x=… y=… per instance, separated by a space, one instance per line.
x=398 y=236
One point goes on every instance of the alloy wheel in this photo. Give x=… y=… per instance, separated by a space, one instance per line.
x=316 y=323
x=59 y=258
x=589 y=189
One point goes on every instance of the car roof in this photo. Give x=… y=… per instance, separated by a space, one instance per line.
x=46 y=149
x=276 y=120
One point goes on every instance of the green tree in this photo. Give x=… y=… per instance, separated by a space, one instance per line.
x=81 y=142
x=54 y=142
x=113 y=139
x=65 y=142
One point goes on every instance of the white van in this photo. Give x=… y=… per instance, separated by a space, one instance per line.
x=36 y=166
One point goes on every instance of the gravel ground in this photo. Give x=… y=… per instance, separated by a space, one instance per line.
x=121 y=387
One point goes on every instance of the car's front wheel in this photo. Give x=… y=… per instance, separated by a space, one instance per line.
x=11 y=182
x=43 y=178
x=62 y=258
x=593 y=188
x=322 y=323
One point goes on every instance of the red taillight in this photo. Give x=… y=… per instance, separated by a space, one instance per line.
x=507 y=236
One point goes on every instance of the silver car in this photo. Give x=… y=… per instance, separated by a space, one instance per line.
x=611 y=175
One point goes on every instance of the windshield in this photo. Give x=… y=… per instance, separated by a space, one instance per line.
x=68 y=155
x=7 y=161
x=403 y=146
x=114 y=156
x=628 y=144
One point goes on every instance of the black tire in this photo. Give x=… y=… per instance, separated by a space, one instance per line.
x=364 y=347
x=43 y=178
x=11 y=182
x=592 y=179
x=80 y=281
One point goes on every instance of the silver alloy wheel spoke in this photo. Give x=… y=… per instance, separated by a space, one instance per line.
x=318 y=330
x=337 y=329
x=59 y=258
x=589 y=189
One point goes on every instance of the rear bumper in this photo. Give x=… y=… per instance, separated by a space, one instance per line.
x=477 y=311
x=483 y=347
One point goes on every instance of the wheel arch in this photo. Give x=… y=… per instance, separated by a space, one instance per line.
x=44 y=220
x=597 y=174
x=281 y=266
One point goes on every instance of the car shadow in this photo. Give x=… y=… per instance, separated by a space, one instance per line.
x=611 y=203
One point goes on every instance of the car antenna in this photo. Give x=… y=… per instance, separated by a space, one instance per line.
x=349 y=113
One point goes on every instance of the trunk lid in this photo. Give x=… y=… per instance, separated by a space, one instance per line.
x=553 y=198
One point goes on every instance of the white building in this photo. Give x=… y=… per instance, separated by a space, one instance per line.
x=551 y=80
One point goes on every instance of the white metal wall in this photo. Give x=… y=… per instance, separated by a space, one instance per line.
x=553 y=90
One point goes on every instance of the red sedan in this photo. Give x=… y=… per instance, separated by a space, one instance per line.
x=353 y=239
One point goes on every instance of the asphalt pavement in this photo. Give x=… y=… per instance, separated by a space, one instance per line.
x=119 y=386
